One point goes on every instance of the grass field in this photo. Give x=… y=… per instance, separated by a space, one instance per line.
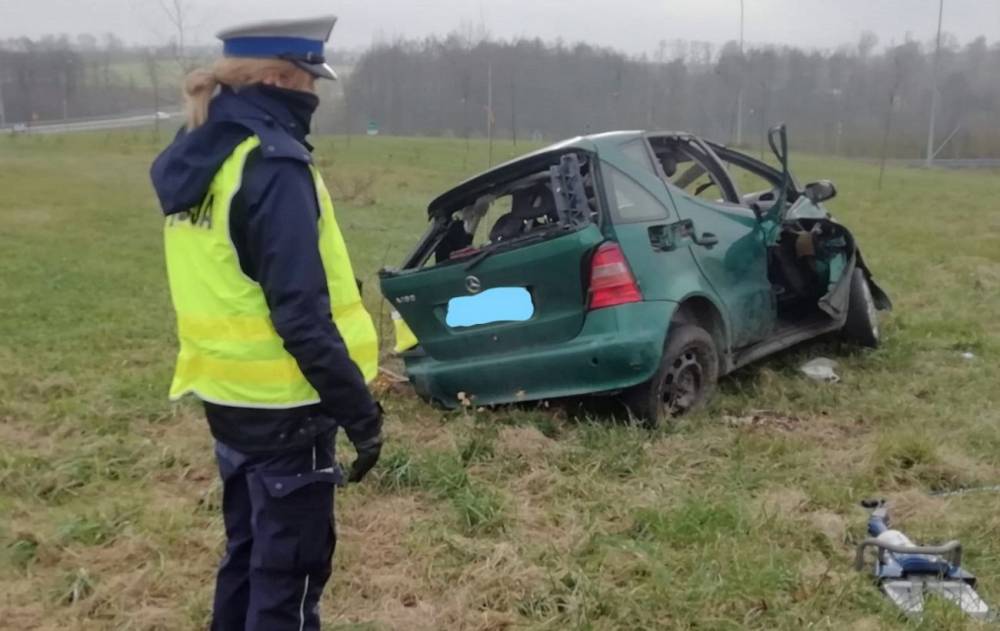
x=743 y=516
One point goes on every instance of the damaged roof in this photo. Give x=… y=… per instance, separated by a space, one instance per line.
x=482 y=183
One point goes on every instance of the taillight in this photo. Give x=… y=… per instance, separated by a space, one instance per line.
x=611 y=281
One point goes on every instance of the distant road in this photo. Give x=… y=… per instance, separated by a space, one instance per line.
x=956 y=163
x=91 y=124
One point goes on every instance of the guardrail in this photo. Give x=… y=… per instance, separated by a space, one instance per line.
x=960 y=163
x=122 y=122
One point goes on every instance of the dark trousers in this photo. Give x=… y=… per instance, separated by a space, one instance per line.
x=278 y=511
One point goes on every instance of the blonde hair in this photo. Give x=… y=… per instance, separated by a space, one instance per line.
x=200 y=85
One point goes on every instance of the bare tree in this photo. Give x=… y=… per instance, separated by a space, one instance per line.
x=153 y=69
x=901 y=70
x=3 y=78
x=178 y=13
x=866 y=44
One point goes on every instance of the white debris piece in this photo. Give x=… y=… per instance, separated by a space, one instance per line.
x=820 y=369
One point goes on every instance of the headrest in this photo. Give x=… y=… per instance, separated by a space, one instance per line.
x=669 y=164
x=532 y=202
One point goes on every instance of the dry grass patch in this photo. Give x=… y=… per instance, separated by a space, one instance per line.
x=525 y=441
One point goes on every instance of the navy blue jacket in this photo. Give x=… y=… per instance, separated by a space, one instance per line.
x=273 y=225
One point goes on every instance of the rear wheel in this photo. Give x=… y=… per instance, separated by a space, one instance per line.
x=685 y=380
x=861 y=327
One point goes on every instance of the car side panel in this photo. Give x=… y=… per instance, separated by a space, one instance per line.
x=670 y=274
x=736 y=267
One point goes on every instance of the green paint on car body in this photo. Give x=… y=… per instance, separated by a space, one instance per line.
x=690 y=241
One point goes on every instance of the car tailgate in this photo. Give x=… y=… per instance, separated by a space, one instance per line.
x=551 y=271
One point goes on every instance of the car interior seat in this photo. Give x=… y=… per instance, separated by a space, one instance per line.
x=529 y=207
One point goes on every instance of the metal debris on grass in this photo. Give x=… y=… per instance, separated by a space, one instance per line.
x=906 y=573
x=995 y=488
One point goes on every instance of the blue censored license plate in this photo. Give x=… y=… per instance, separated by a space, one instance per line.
x=500 y=304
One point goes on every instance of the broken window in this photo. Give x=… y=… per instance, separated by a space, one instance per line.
x=759 y=183
x=690 y=167
x=747 y=180
x=532 y=206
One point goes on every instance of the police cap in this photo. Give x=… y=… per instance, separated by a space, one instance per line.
x=298 y=41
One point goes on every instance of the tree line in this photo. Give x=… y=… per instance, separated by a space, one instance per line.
x=853 y=101
x=857 y=100
x=55 y=78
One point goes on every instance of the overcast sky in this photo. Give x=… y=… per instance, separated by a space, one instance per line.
x=632 y=25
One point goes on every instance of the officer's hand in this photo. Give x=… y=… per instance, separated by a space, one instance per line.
x=368 y=454
x=368 y=450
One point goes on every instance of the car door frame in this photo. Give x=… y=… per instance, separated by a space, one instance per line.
x=760 y=168
x=638 y=237
x=714 y=166
x=731 y=205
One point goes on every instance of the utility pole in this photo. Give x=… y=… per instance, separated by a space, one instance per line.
x=513 y=112
x=3 y=113
x=154 y=81
x=888 y=128
x=766 y=100
x=739 y=97
x=489 y=109
x=65 y=88
x=934 y=90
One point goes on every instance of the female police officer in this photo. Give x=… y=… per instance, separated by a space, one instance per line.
x=274 y=338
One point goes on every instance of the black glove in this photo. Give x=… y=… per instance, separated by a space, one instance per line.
x=368 y=454
x=369 y=451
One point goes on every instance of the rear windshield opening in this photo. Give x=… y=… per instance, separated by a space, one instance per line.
x=532 y=207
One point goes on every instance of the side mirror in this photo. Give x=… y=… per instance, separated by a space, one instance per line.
x=820 y=191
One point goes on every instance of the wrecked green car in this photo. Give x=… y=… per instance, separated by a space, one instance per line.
x=643 y=265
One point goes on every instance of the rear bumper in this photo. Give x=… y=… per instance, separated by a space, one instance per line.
x=617 y=347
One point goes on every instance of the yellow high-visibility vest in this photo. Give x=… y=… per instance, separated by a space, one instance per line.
x=405 y=339
x=230 y=353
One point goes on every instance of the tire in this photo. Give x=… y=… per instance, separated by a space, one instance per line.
x=861 y=327
x=685 y=380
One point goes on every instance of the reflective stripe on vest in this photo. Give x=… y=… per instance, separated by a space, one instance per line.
x=229 y=351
